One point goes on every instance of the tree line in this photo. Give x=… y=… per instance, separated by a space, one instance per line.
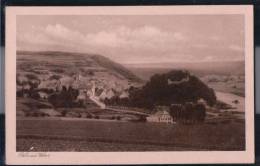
x=188 y=112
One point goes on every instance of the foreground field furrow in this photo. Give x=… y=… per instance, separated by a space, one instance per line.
x=51 y=145
x=147 y=143
x=198 y=137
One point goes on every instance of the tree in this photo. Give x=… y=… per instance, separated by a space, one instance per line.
x=200 y=112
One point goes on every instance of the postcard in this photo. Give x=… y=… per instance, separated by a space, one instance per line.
x=129 y=85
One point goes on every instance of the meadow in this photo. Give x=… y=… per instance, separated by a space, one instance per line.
x=46 y=134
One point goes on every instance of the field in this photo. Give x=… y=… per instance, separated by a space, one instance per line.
x=46 y=134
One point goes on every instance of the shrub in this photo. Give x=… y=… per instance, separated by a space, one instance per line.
x=63 y=113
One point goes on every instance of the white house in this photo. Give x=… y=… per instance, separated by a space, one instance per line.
x=124 y=94
x=161 y=117
x=106 y=94
x=43 y=95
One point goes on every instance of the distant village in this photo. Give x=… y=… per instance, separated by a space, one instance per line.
x=95 y=92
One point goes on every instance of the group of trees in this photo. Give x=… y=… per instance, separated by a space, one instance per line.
x=65 y=98
x=29 y=92
x=32 y=92
x=116 y=100
x=158 y=91
x=188 y=113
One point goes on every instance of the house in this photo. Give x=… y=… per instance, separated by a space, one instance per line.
x=43 y=95
x=124 y=94
x=106 y=94
x=161 y=117
x=202 y=101
x=82 y=95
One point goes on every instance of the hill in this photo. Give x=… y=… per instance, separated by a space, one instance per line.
x=53 y=69
x=174 y=87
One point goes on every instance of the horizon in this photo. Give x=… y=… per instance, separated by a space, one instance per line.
x=137 y=63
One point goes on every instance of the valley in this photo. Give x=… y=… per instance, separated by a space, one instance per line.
x=67 y=97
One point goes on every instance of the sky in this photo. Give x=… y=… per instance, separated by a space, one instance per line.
x=137 y=38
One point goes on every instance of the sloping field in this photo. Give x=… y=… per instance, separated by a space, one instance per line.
x=229 y=98
x=55 y=135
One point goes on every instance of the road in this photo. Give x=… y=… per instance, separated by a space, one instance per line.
x=128 y=110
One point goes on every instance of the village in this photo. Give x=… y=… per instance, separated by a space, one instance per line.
x=91 y=95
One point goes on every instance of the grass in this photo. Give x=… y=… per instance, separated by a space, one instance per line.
x=220 y=136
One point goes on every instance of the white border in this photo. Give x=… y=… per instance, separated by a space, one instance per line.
x=176 y=157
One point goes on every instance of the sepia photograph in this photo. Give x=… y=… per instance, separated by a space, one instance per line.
x=131 y=82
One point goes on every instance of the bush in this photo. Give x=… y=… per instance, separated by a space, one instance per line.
x=63 y=113
x=34 y=95
x=113 y=117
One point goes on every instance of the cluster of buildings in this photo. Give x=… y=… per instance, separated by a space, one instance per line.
x=89 y=88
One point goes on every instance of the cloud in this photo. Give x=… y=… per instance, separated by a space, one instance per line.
x=125 y=43
x=143 y=37
x=103 y=38
x=146 y=37
x=64 y=34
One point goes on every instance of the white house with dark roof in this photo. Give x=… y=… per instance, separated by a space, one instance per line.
x=160 y=117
